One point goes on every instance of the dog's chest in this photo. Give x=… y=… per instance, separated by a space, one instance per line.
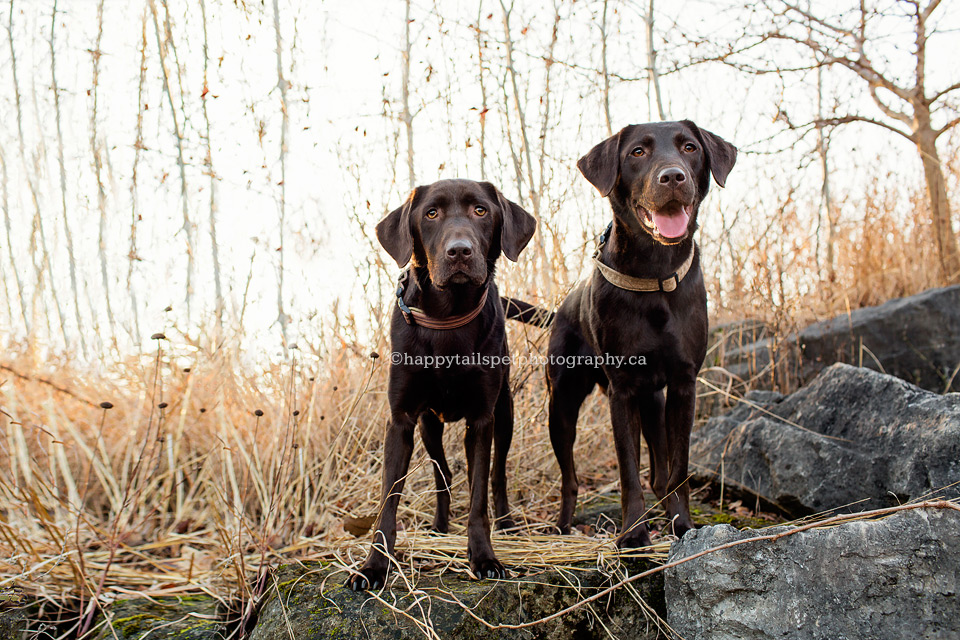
x=458 y=392
x=633 y=327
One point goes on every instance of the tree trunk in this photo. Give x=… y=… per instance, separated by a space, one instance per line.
x=407 y=116
x=946 y=241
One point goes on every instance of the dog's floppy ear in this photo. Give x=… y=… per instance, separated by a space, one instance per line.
x=601 y=165
x=517 y=227
x=394 y=233
x=721 y=155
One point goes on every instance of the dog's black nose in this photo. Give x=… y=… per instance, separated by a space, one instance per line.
x=675 y=175
x=459 y=249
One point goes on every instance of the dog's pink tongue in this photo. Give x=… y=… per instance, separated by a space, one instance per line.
x=671 y=225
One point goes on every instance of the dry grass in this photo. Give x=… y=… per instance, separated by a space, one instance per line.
x=182 y=487
x=206 y=470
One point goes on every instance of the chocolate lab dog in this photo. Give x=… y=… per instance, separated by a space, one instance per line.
x=450 y=356
x=643 y=312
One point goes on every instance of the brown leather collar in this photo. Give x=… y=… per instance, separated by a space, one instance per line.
x=631 y=283
x=416 y=317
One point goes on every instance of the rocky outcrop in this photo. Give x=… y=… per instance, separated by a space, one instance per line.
x=916 y=338
x=310 y=603
x=186 y=618
x=731 y=361
x=893 y=578
x=852 y=439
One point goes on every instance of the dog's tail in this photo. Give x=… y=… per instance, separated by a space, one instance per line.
x=526 y=313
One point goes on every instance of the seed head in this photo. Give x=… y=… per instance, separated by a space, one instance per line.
x=258 y=413
x=106 y=405
x=158 y=336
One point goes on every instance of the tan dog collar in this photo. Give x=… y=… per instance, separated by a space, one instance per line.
x=631 y=283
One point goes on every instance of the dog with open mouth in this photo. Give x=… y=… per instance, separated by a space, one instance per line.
x=645 y=302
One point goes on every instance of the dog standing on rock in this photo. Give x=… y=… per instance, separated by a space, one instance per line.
x=642 y=313
x=448 y=331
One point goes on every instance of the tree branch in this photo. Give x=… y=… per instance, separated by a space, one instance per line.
x=942 y=130
x=940 y=94
x=812 y=18
x=888 y=111
x=930 y=9
x=861 y=68
x=833 y=122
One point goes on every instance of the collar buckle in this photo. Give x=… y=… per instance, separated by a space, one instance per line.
x=404 y=309
x=673 y=280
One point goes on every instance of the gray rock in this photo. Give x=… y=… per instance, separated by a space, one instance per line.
x=185 y=618
x=892 y=578
x=310 y=602
x=851 y=436
x=916 y=338
x=733 y=336
x=737 y=353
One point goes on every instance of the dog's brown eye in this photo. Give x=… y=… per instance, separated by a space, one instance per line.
x=431 y=213
x=689 y=147
x=636 y=153
x=480 y=211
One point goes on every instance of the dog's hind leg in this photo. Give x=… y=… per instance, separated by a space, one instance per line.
x=568 y=389
x=431 y=431
x=502 y=436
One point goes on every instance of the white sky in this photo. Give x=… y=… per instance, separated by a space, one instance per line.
x=343 y=62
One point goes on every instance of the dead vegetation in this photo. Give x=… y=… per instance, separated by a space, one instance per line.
x=189 y=470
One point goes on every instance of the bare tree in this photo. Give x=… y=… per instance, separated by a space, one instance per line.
x=164 y=45
x=98 y=172
x=483 y=93
x=4 y=202
x=284 y=125
x=63 y=177
x=850 y=41
x=653 y=75
x=138 y=146
x=533 y=191
x=604 y=71
x=406 y=116
x=208 y=165
x=38 y=229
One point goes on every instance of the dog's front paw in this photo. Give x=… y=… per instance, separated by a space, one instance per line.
x=637 y=537
x=489 y=568
x=680 y=527
x=368 y=578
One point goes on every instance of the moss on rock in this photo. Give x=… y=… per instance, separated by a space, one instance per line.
x=183 y=618
x=311 y=603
